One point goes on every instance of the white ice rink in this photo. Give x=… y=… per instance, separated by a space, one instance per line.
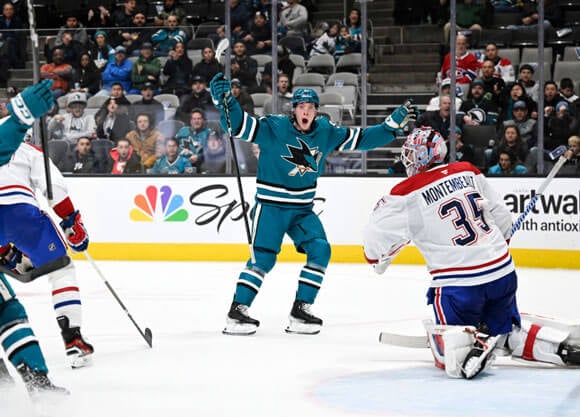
x=193 y=370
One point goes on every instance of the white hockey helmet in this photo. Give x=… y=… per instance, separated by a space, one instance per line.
x=76 y=97
x=423 y=148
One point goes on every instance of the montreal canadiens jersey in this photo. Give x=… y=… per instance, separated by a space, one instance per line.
x=23 y=174
x=291 y=161
x=455 y=219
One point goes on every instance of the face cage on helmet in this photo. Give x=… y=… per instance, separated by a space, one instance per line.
x=419 y=157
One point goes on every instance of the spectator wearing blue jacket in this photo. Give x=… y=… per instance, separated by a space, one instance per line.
x=118 y=71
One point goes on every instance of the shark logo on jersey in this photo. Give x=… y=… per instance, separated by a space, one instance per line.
x=305 y=159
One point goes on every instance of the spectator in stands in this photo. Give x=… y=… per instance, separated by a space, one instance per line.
x=326 y=44
x=477 y=110
x=178 y=69
x=118 y=93
x=122 y=18
x=507 y=165
x=467 y=66
x=285 y=66
x=293 y=20
x=98 y=16
x=72 y=50
x=259 y=38
x=568 y=93
x=526 y=125
x=469 y=16
x=284 y=102
x=560 y=125
x=172 y=162
x=525 y=78
x=199 y=98
x=513 y=93
x=439 y=119
x=133 y=37
x=58 y=71
x=73 y=26
x=219 y=35
x=165 y=39
x=74 y=124
x=344 y=43
x=112 y=121
x=264 y=7
x=145 y=69
x=208 y=66
x=244 y=67
x=243 y=97
x=171 y=7
x=11 y=32
x=240 y=16
x=463 y=152
x=118 y=71
x=354 y=25
x=572 y=166
x=101 y=52
x=503 y=67
x=192 y=139
x=123 y=159
x=492 y=84
x=148 y=105
x=4 y=63
x=147 y=141
x=529 y=14
x=445 y=90
x=83 y=159
x=551 y=97
x=214 y=154
x=510 y=139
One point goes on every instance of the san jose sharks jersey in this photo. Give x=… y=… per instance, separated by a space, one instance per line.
x=290 y=160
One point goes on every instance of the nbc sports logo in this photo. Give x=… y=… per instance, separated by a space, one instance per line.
x=158 y=205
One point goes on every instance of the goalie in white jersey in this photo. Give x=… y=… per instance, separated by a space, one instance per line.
x=462 y=228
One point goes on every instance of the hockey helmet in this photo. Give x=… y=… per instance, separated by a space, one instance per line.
x=423 y=148
x=305 y=95
x=76 y=97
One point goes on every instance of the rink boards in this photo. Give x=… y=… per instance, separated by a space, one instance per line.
x=200 y=218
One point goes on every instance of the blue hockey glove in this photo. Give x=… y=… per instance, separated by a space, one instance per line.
x=221 y=91
x=32 y=102
x=75 y=232
x=402 y=115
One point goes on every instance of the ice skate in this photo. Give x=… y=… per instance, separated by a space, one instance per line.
x=238 y=322
x=302 y=321
x=5 y=377
x=37 y=382
x=481 y=356
x=78 y=351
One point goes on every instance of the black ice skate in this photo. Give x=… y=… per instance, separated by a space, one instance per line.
x=78 y=351
x=37 y=382
x=5 y=377
x=302 y=321
x=238 y=322
x=481 y=356
x=570 y=354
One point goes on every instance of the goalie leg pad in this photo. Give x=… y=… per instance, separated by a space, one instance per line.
x=449 y=346
x=534 y=342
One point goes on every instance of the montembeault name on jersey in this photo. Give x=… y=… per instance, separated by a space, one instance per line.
x=444 y=188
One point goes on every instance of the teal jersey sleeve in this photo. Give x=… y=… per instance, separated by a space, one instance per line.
x=12 y=134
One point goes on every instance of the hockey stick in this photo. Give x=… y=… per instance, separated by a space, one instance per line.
x=221 y=48
x=147 y=335
x=36 y=78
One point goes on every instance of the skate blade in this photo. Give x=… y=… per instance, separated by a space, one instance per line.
x=237 y=329
x=296 y=327
x=81 y=361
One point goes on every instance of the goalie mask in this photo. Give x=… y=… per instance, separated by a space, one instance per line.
x=423 y=148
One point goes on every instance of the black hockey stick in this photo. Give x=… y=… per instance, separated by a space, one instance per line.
x=147 y=335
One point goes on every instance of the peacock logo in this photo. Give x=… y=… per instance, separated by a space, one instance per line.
x=158 y=204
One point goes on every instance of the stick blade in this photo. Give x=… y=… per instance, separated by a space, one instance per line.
x=148 y=337
x=556 y=153
x=403 y=340
x=221 y=47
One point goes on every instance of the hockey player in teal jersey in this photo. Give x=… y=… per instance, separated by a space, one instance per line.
x=16 y=337
x=293 y=151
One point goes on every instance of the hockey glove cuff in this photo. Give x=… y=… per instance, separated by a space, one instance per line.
x=402 y=116
x=221 y=91
x=32 y=103
x=75 y=232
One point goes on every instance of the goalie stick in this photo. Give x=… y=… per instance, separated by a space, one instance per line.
x=409 y=341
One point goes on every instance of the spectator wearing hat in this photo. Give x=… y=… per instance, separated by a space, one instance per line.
x=477 y=110
x=513 y=93
x=243 y=97
x=165 y=39
x=244 y=67
x=101 y=52
x=147 y=104
x=526 y=125
x=118 y=71
x=123 y=159
x=259 y=38
x=445 y=90
x=74 y=123
x=198 y=98
x=192 y=138
x=209 y=65
x=145 y=69
x=59 y=71
x=525 y=78
x=83 y=159
x=177 y=69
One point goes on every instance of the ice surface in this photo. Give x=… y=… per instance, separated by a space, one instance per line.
x=194 y=370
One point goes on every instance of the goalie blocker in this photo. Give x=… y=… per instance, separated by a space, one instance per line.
x=465 y=352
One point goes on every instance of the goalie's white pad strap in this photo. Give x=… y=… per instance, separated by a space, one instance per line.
x=21 y=110
x=534 y=342
x=570 y=326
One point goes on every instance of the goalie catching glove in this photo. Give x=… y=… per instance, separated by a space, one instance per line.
x=402 y=116
x=32 y=102
x=221 y=91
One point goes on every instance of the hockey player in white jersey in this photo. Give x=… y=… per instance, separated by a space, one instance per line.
x=462 y=228
x=32 y=245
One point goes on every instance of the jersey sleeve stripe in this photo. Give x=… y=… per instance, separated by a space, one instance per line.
x=248 y=129
x=352 y=140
